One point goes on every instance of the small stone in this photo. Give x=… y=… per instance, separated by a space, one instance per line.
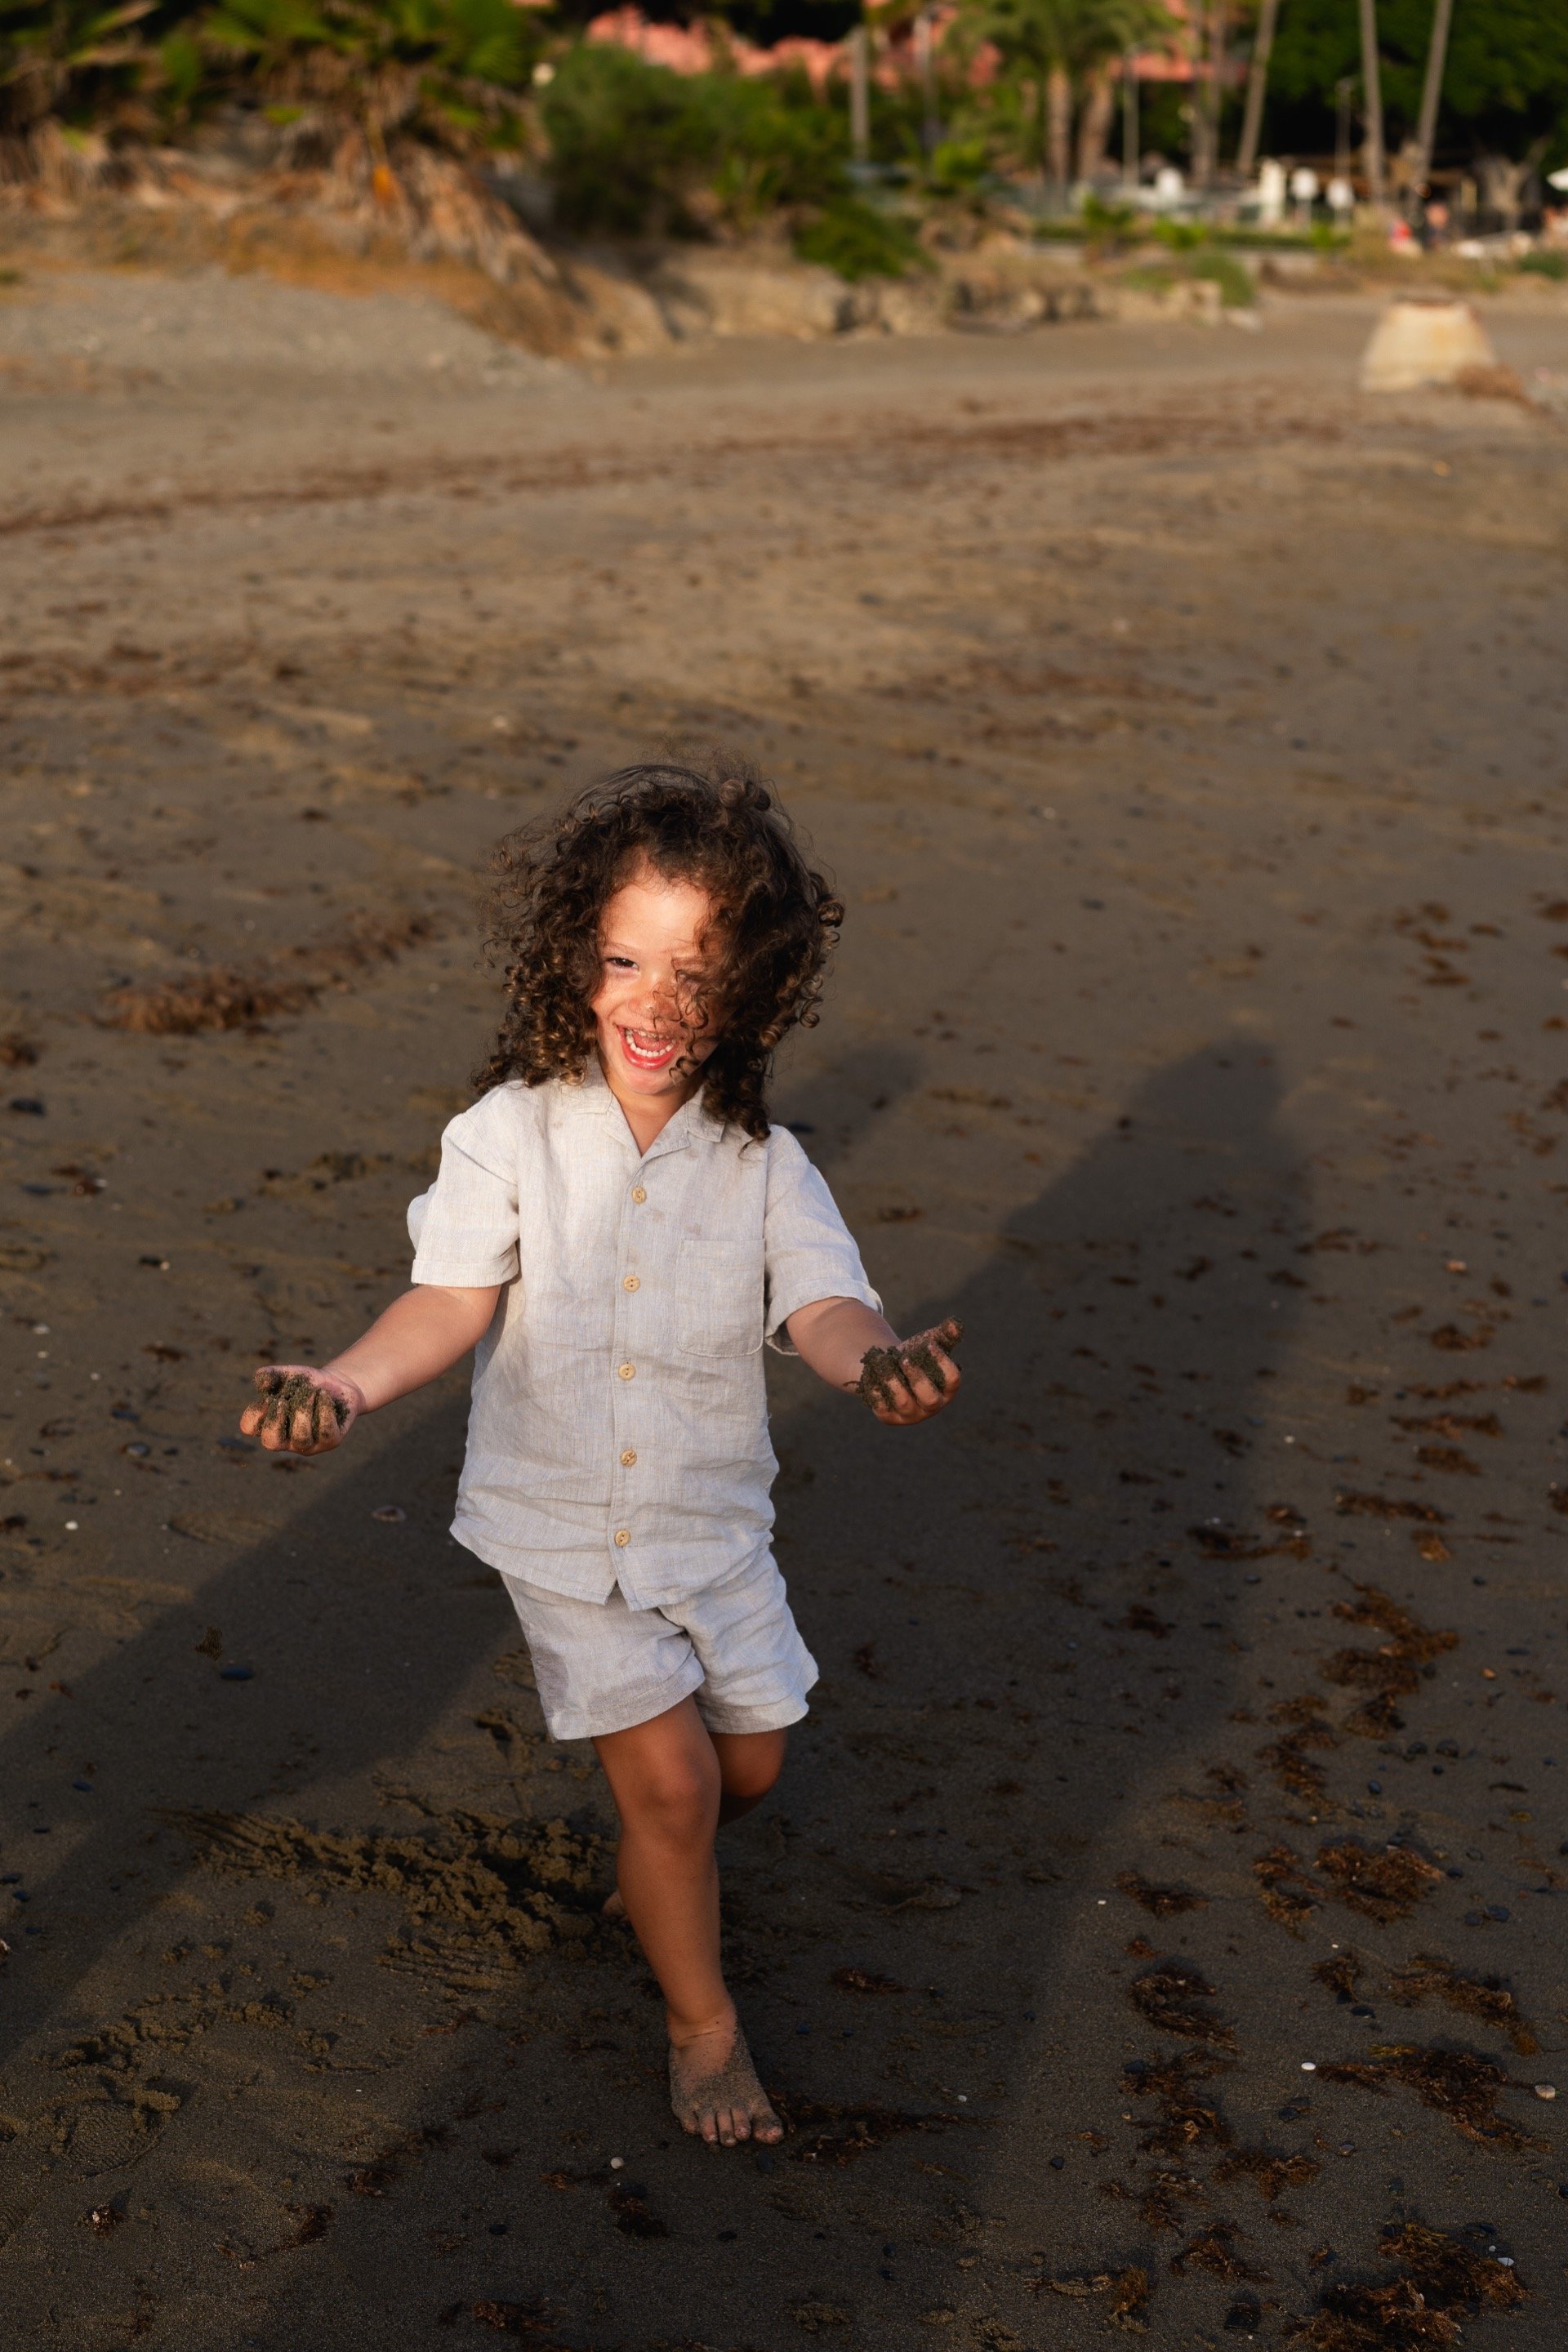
x=235 y=1674
x=617 y=2164
x=390 y=1515
x=1545 y=2090
x=1309 y=2065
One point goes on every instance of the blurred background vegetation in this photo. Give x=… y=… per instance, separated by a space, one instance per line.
x=628 y=148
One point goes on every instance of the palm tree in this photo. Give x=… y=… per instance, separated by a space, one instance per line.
x=1371 y=100
x=1051 y=49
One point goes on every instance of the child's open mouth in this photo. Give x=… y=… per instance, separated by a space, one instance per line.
x=644 y=1052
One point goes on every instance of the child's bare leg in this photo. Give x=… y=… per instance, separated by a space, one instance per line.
x=749 y=1764
x=667 y=1781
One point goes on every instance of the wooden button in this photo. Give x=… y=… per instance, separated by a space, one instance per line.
x=627 y=1371
x=631 y=1283
x=628 y=1457
x=623 y=1537
x=639 y=1192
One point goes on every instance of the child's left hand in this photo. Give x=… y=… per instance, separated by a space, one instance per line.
x=913 y=1379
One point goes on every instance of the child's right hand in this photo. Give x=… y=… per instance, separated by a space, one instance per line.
x=302 y=1410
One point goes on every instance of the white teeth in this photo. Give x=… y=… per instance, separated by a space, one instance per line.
x=651 y=1050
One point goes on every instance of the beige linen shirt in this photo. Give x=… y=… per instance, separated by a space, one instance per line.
x=619 y=1431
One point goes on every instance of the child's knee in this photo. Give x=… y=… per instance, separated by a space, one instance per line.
x=679 y=1800
x=751 y=1766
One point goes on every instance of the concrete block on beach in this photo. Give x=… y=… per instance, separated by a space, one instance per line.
x=1416 y=343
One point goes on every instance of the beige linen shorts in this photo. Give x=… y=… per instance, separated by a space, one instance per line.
x=603 y=1666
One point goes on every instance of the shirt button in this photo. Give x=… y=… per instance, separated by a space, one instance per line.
x=628 y=1457
x=639 y=1194
x=627 y=1371
x=631 y=1283
x=623 y=1537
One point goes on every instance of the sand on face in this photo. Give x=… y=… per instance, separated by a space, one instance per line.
x=1184 y=731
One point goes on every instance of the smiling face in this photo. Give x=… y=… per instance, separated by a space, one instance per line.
x=655 y=1027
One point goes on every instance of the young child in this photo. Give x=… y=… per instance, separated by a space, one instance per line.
x=614 y=1231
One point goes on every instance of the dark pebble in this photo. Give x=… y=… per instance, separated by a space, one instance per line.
x=1496 y=1911
x=235 y=1674
x=1057 y=2162
x=82 y=1788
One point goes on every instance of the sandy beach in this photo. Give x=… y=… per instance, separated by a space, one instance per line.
x=1160 y=1926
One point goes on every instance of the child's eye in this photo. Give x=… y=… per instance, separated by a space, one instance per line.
x=621 y=963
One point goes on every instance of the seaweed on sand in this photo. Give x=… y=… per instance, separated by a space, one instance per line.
x=837 y=2136
x=1436 y=2278
x=1128 y=2291
x=1271 y=2173
x=1213 y=2250
x=1188 y=2120
x=1173 y=1999
x=1286 y=1887
x=1339 y=1975
x=1458 y=2083
x=1430 y=1977
x=1164 y=1902
x=1382 y=1886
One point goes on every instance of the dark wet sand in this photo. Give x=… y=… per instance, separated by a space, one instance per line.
x=1186 y=734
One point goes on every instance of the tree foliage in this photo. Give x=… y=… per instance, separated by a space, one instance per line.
x=635 y=147
x=1048 y=52
x=1506 y=81
x=450 y=71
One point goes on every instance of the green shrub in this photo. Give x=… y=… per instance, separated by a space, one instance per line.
x=626 y=140
x=1180 y=236
x=1546 y=265
x=769 y=141
x=1236 y=291
x=858 y=241
x=636 y=148
x=959 y=167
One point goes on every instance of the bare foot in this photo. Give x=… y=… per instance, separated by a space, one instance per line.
x=714 y=2090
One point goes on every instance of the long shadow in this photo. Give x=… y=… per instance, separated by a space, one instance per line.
x=1118 y=1350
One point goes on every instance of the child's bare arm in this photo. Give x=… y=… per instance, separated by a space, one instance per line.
x=423 y=1333
x=850 y=1346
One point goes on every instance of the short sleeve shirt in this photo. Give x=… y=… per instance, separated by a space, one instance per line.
x=618 y=1432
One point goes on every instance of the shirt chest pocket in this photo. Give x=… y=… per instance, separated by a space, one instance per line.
x=718 y=1299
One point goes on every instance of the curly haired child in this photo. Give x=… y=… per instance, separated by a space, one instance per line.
x=616 y=1229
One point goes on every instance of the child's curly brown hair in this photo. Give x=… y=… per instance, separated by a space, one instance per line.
x=715 y=825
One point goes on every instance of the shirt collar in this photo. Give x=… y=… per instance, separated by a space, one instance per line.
x=589 y=1097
